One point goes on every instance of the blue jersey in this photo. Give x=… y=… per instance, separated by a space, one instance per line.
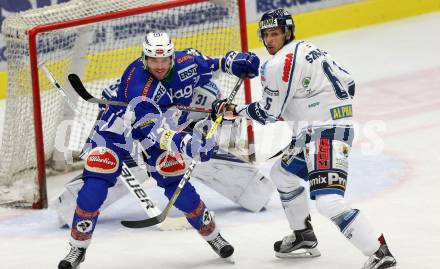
x=153 y=97
x=147 y=120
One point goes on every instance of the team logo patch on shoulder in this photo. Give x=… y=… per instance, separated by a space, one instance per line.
x=341 y=112
x=102 y=160
x=170 y=164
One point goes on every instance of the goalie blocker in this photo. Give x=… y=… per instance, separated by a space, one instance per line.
x=235 y=179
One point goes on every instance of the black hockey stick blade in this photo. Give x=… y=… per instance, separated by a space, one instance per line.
x=79 y=88
x=145 y=222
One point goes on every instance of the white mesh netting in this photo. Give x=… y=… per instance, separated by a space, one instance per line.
x=98 y=52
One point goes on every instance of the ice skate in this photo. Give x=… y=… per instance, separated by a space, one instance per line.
x=382 y=258
x=73 y=259
x=300 y=244
x=222 y=248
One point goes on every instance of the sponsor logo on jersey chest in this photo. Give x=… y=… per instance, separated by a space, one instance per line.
x=287 y=67
x=187 y=72
x=159 y=92
x=341 y=112
x=184 y=58
x=147 y=87
x=306 y=82
x=315 y=104
x=271 y=92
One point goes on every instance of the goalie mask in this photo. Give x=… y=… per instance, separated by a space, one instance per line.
x=277 y=18
x=157 y=45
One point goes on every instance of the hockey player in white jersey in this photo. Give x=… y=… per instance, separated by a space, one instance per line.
x=302 y=84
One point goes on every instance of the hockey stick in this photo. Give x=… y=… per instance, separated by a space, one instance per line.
x=81 y=90
x=126 y=176
x=161 y=217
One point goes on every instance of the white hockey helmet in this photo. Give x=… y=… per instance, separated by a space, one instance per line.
x=157 y=45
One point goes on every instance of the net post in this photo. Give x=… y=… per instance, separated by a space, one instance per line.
x=38 y=122
x=247 y=83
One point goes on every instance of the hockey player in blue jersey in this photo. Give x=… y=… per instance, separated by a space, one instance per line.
x=159 y=79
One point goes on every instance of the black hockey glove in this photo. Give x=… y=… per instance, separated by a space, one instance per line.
x=218 y=107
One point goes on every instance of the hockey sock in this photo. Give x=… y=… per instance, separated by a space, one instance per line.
x=83 y=225
x=351 y=222
x=203 y=221
x=355 y=227
x=296 y=207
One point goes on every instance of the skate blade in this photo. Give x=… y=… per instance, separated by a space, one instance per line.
x=303 y=253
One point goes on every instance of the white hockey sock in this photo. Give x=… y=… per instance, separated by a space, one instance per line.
x=351 y=222
x=358 y=231
x=296 y=207
x=293 y=196
x=79 y=244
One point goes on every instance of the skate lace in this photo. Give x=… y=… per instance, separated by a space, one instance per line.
x=73 y=255
x=218 y=242
x=372 y=260
x=288 y=239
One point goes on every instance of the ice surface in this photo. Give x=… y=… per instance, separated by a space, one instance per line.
x=394 y=176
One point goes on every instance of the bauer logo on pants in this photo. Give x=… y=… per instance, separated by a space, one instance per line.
x=102 y=160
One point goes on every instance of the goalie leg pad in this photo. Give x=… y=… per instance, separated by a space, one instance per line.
x=237 y=180
x=351 y=222
x=65 y=203
x=293 y=196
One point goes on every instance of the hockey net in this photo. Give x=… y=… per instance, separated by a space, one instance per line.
x=97 y=40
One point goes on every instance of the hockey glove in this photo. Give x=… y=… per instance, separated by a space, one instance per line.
x=218 y=107
x=195 y=146
x=241 y=64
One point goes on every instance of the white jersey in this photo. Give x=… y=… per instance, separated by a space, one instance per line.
x=303 y=85
x=203 y=97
